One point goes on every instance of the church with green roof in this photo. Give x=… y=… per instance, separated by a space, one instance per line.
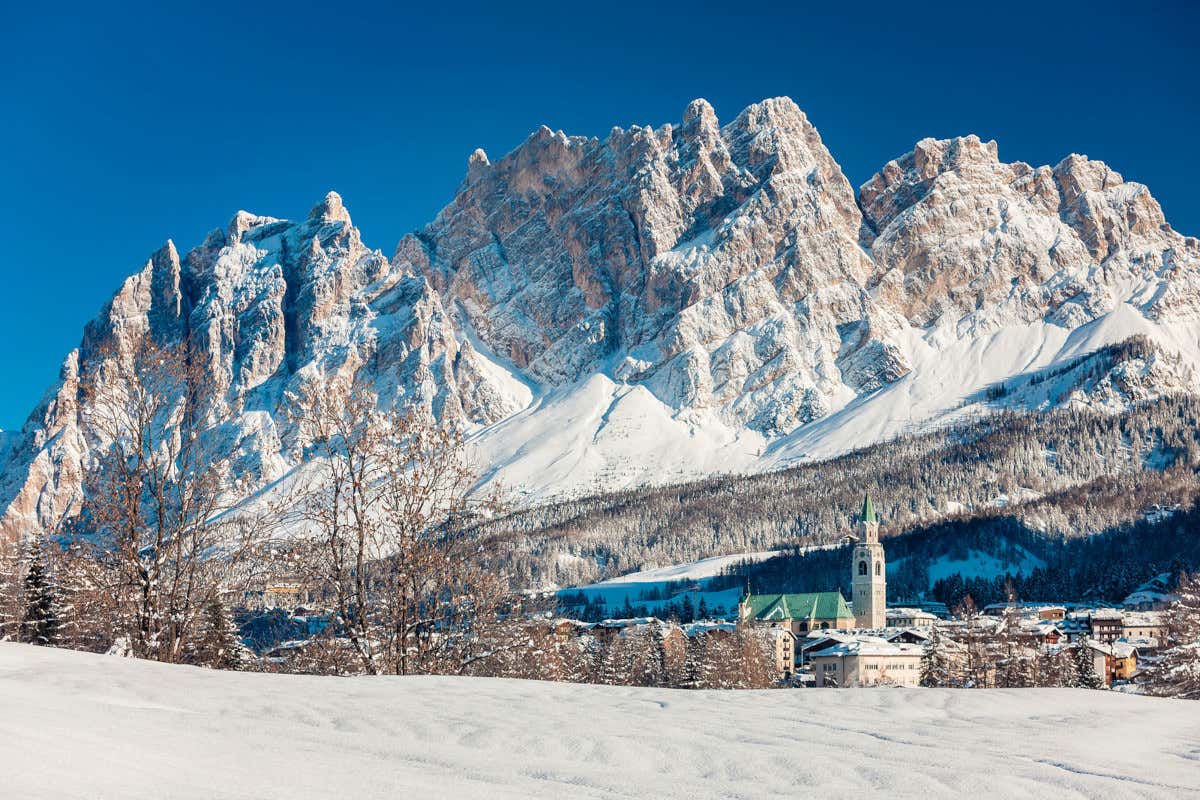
x=800 y=612
x=828 y=610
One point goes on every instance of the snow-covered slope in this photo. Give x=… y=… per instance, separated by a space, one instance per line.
x=691 y=571
x=663 y=303
x=77 y=725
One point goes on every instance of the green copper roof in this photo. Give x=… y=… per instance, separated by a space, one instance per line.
x=868 y=511
x=814 y=605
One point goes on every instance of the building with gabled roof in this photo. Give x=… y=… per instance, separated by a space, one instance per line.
x=800 y=613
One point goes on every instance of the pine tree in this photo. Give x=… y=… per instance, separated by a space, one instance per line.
x=702 y=610
x=1085 y=676
x=40 y=623
x=648 y=654
x=219 y=646
x=687 y=612
x=935 y=663
x=1177 y=672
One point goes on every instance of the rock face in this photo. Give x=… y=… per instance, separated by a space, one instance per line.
x=272 y=307
x=729 y=274
x=965 y=238
x=720 y=266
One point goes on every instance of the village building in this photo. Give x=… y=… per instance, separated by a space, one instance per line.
x=284 y=593
x=1040 y=631
x=608 y=629
x=1113 y=662
x=919 y=635
x=799 y=613
x=909 y=618
x=868 y=572
x=866 y=661
x=276 y=591
x=1107 y=625
x=782 y=643
x=817 y=641
x=1045 y=611
x=1153 y=595
x=1142 y=625
x=1076 y=627
x=818 y=611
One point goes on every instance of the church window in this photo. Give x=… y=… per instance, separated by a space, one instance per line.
x=862 y=568
x=877 y=567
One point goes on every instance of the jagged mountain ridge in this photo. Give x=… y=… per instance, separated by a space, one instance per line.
x=661 y=303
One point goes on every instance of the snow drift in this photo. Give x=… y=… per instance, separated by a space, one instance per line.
x=77 y=725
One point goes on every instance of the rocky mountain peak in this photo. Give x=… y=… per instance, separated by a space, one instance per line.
x=699 y=114
x=331 y=209
x=680 y=297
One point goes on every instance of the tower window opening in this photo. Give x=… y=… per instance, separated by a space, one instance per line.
x=862 y=568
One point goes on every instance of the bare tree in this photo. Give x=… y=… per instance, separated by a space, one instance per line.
x=1177 y=672
x=157 y=539
x=976 y=658
x=384 y=509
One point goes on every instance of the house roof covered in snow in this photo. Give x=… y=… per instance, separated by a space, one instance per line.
x=869 y=646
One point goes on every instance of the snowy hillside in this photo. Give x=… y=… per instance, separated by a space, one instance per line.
x=81 y=725
x=661 y=304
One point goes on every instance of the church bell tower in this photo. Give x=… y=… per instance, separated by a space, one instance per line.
x=868 y=572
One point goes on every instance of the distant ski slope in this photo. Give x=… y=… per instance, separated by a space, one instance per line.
x=77 y=725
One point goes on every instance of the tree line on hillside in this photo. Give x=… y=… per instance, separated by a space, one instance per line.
x=1104 y=567
x=1066 y=473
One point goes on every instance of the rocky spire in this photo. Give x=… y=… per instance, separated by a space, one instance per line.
x=330 y=209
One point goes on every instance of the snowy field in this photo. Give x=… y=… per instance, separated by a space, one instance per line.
x=691 y=571
x=83 y=726
x=636 y=585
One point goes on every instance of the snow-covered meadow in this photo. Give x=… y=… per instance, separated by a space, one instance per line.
x=76 y=725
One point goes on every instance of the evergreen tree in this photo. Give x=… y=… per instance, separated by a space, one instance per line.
x=1085 y=676
x=687 y=612
x=935 y=662
x=702 y=611
x=219 y=646
x=40 y=623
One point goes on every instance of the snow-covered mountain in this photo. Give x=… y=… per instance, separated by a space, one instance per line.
x=665 y=303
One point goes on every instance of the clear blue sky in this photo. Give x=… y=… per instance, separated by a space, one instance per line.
x=126 y=125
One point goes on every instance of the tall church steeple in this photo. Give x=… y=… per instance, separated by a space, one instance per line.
x=868 y=571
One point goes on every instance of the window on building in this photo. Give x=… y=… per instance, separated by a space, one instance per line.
x=877 y=565
x=862 y=568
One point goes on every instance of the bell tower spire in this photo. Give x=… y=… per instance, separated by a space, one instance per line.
x=868 y=523
x=868 y=571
